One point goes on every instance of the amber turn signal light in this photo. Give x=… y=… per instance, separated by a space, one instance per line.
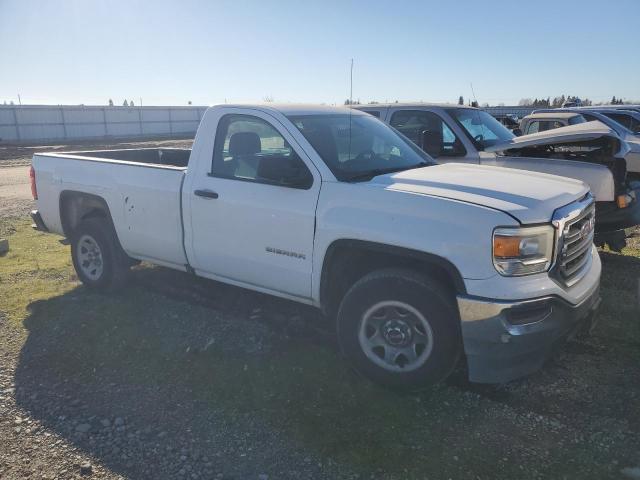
x=506 y=246
x=622 y=201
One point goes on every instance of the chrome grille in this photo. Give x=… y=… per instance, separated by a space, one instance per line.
x=575 y=225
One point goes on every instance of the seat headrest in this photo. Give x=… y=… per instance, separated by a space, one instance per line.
x=432 y=142
x=244 y=143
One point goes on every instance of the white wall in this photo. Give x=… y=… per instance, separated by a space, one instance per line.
x=33 y=123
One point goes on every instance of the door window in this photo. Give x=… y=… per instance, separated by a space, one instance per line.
x=428 y=131
x=543 y=125
x=250 y=149
x=533 y=127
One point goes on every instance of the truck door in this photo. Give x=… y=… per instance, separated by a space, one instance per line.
x=252 y=214
x=431 y=133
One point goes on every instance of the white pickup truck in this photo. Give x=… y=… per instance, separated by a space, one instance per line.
x=419 y=263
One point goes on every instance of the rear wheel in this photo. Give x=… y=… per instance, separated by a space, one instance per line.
x=400 y=329
x=98 y=259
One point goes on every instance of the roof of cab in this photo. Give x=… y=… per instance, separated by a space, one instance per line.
x=293 y=109
x=411 y=105
x=552 y=115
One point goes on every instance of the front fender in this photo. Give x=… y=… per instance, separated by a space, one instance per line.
x=458 y=232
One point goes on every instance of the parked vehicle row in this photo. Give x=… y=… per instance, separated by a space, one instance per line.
x=590 y=152
x=421 y=263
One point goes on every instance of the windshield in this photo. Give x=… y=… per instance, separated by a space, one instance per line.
x=619 y=128
x=628 y=120
x=481 y=128
x=359 y=147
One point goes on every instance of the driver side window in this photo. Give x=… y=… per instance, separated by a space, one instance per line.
x=429 y=132
x=250 y=149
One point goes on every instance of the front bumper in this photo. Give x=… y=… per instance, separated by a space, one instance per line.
x=505 y=340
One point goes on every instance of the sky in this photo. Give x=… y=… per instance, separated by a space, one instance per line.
x=209 y=52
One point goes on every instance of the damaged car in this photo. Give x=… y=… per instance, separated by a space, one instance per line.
x=561 y=118
x=587 y=151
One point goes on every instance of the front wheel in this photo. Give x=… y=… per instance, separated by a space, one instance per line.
x=400 y=329
x=98 y=259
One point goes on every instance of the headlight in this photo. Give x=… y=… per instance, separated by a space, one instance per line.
x=522 y=251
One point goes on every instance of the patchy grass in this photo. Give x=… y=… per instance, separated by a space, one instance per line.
x=193 y=359
x=37 y=267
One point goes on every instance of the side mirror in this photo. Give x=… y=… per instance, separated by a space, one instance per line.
x=301 y=179
x=517 y=132
x=285 y=171
x=432 y=143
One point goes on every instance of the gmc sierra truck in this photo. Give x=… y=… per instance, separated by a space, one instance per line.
x=421 y=264
x=588 y=151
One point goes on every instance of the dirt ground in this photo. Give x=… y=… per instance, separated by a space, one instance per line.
x=184 y=378
x=15 y=193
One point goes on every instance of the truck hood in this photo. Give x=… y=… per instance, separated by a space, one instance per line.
x=580 y=132
x=530 y=197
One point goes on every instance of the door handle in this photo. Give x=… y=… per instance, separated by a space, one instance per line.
x=206 y=193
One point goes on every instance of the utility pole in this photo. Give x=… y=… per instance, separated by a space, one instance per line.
x=19 y=99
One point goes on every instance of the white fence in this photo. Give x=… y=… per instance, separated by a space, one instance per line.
x=34 y=123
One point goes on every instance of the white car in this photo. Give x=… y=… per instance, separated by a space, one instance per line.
x=419 y=263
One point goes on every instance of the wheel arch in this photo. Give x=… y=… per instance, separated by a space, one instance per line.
x=76 y=206
x=347 y=260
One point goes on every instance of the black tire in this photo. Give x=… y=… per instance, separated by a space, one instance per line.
x=115 y=263
x=427 y=297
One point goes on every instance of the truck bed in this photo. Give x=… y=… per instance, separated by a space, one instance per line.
x=173 y=157
x=141 y=188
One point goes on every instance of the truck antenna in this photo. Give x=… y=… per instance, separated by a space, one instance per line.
x=475 y=100
x=473 y=93
x=350 y=103
x=351 y=84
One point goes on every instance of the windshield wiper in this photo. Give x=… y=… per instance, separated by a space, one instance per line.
x=368 y=175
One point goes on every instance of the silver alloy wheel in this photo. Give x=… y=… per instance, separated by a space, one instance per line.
x=90 y=257
x=395 y=336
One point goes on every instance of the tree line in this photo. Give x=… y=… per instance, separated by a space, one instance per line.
x=557 y=102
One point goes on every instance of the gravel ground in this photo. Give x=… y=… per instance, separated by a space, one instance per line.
x=61 y=427
x=70 y=410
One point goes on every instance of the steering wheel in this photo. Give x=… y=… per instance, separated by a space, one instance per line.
x=364 y=155
x=479 y=138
